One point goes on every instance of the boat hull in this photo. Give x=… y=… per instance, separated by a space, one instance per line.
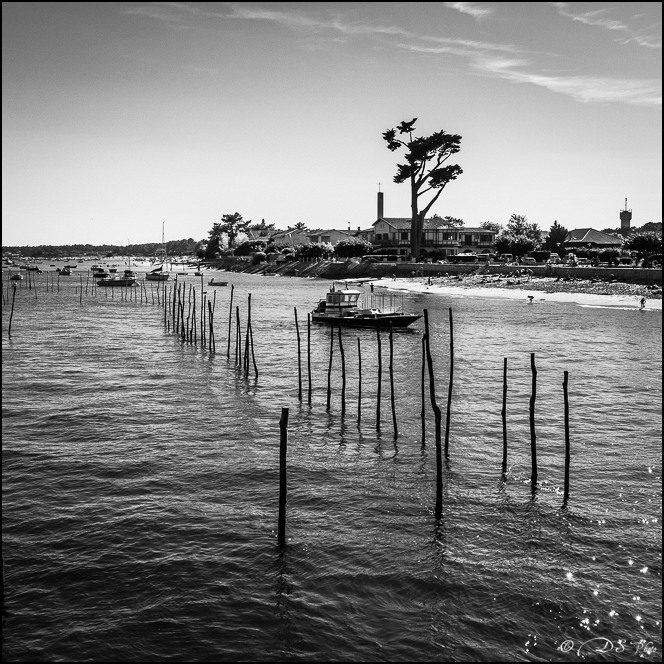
x=383 y=322
x=116 y=282
x=159 y=276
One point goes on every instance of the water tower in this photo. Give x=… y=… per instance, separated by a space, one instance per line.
x=625 y=218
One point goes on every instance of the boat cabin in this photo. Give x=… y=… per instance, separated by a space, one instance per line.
x=339 y=302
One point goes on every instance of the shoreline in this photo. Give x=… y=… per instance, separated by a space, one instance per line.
x=582 y=291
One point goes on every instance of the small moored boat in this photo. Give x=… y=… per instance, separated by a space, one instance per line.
x=214 y=282
x=116 y=281
x=157 y=274
x=342 y=306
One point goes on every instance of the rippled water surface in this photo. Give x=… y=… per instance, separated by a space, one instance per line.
x=141 y=482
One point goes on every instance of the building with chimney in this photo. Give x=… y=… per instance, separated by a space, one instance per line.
x=390 y=236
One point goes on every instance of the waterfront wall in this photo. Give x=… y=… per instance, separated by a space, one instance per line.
x=352 y=269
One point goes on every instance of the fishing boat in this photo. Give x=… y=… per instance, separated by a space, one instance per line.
x=65 y=271
x=99 y=272
x=16 y=277
x=342 y=306
x=214 y=282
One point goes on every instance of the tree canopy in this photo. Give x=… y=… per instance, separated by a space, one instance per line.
x=352 y=246
x=424 y=169
x=519 y=237
x=643 y=243
x=556 y=238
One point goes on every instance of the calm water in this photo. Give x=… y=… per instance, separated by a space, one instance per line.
x=140 y=484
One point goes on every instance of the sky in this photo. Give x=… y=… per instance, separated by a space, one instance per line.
x=120 y=119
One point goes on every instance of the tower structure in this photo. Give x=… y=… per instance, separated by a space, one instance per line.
x=625 y=218
x=380 y=202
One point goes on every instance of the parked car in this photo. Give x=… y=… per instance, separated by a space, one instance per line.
x=583 y=261
x=528 y=260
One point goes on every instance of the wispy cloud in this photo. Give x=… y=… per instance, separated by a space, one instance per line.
x=582 y=88
x=501 y=60
x=474 y=9
x=601 y=18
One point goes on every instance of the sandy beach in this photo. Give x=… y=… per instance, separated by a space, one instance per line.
x=581 y=291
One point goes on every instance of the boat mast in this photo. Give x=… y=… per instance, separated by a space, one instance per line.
x=163 y=244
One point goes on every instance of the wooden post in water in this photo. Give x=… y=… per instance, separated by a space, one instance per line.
x=9 y=331
x=343 y=375
x=359 y=380
x=283 y=487
x=380 y=379
x=253 y=356
x=299 y=358
x=533 y=396
x=422 y=412
x=309 y=357
x=203 y=315
x=176 y=287
x=438 y=417
x=329 y=368
x=247 y=340
x=230 y=324
x=394 y=411
x=238 y=338
x=211 y=329
x=194 y=322
x=504 y=415
x=449 y=389
x=566 y=490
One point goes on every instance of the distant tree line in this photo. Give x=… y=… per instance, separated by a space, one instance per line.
x=187 y=247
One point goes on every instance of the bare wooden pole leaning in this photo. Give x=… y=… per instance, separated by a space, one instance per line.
x=11 y=315
x=438 y=418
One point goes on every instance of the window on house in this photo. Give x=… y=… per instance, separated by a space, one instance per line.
x=404 y=235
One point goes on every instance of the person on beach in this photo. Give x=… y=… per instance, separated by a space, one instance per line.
x=643 y=303
x=530 y=299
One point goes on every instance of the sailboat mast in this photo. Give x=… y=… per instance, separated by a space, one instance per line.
x=163 y=244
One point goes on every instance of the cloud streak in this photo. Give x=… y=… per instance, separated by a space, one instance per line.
x=584 y=89
x=474 y=9
x=600 y=18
